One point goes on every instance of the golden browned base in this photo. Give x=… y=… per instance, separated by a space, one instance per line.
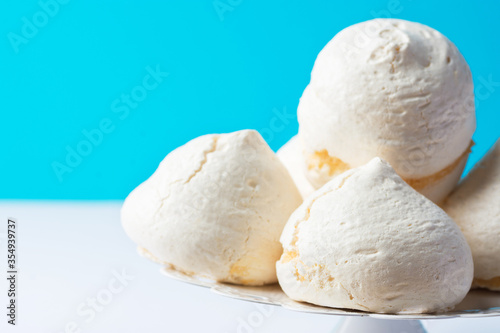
x=492 y=284
x=321 y=159
x=236 y=277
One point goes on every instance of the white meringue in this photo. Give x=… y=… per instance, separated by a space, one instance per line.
x=290 y=154
x=390 y=88
x=475 y=207
x=368 y=241
x=215 y=207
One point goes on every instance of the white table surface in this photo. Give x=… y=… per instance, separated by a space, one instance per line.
x=69 y=253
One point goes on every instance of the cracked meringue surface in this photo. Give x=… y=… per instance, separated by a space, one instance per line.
x=394 y=89
x=475 y=207
x=215 y=207
x=368 y=241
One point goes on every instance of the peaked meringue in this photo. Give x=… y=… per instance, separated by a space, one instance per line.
x=475 y=207
x=368 y=241
x=215 y=207
x=390 y=88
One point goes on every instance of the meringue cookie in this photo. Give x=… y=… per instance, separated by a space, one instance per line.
x=368 y=241
x=475 y=207
x=215 y=207
x=390 y=88
x=290 y=154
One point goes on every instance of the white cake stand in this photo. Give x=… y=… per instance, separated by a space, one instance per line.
x=477 y=303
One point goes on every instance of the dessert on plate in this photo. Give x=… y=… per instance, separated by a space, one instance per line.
x=368 y=241
x=215 y=208
x=475 y=207
x=385 y=128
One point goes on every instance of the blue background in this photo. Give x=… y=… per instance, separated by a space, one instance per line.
x=227 y=71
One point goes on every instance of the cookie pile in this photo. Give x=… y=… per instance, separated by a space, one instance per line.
x=385 y=130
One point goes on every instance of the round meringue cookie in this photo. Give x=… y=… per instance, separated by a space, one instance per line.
x=368 y=241
x=290 y=154
x=475 y=207
x=390 y=88
x=215 y=208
